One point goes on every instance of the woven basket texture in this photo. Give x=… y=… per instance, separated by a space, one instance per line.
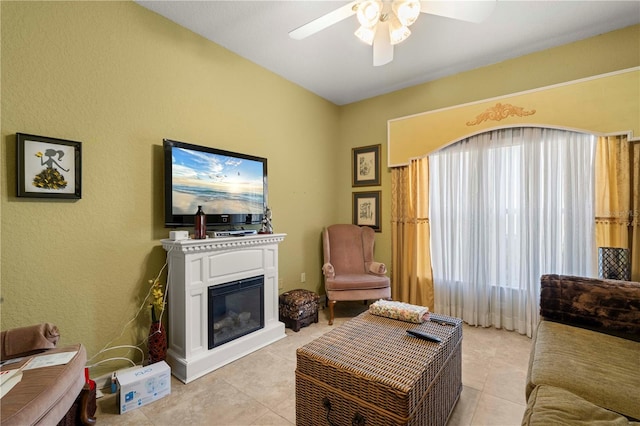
x=371 y=366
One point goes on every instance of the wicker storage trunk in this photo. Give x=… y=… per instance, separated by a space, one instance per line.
x=369 y=371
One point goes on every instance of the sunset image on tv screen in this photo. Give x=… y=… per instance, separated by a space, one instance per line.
x=218 y=183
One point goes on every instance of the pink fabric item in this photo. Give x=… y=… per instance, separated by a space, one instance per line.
x=26 y=340
x=328 y=271
x=378 y=268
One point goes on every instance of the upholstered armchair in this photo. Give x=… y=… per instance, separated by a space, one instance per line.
x=349 y=270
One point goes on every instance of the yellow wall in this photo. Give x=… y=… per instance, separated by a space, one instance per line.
x=120 y=78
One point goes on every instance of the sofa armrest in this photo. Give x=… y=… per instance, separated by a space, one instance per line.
x=22 y=341
x=607 y=306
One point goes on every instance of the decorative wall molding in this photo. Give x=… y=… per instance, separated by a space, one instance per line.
x=499 y=112
x=605 y=104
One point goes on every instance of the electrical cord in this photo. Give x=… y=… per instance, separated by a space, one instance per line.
x=140 y=309
x=116 y=358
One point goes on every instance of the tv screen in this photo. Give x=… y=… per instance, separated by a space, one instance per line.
x=231 y=187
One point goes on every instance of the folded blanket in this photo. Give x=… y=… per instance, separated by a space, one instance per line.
x=400 y=311
x=25 y=340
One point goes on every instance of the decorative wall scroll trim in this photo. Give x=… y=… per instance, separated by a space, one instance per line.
x=499 y=112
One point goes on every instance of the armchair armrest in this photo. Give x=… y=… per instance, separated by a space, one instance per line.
x=378 y=268
x=328 y=271
x=607 y=306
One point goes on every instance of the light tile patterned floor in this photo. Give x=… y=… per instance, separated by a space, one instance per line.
x=259 y=389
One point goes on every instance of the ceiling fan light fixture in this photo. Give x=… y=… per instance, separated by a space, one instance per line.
x=368 y=13
x=406 y=11
x=366 y=34
x=398 y=32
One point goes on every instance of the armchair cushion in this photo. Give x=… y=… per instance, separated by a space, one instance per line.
x=356 y=282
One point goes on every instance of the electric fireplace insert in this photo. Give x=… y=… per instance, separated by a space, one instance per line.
x=235 y=309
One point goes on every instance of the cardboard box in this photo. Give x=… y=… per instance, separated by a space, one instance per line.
x=143 y=385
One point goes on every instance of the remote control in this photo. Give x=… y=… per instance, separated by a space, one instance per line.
x=422 y=335
x=442 y=321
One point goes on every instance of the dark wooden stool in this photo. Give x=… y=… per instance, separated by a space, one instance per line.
x=298 y=308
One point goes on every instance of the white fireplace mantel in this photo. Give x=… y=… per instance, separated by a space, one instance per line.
x=194 y=266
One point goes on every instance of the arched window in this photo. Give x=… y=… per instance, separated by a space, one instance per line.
x=506 y=207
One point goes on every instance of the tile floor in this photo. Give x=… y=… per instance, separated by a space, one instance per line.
x=259 y=389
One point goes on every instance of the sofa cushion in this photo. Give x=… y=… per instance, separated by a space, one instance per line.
x=549 y=405
x=44 y=395
x=600 y=368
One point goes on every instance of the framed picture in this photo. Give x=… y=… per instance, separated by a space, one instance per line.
x=365 y=166
x=48 y=167
x=366 y=209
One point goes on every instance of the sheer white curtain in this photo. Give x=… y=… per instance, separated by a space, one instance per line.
x=506 y=207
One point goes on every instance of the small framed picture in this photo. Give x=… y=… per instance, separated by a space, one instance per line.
x=366 y=209
x=48 y=167
x=365 y=166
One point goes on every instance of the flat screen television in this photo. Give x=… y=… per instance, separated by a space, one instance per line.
x=231 y=187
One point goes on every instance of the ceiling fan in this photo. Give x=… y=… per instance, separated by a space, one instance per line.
x=384 y=24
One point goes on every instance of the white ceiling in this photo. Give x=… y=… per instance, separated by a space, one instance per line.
x=335 y=65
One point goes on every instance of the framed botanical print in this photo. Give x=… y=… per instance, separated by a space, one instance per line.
x=366 y=209
x=48 y=167
x=366 y=166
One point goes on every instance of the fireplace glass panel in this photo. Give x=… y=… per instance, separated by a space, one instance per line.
x=235 y=309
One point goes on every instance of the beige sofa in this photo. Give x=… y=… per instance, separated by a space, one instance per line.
x=49 y=395
x=584 y=366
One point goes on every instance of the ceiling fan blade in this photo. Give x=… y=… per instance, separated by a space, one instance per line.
x=470 y=11
x=382 y=47
x=324 y=21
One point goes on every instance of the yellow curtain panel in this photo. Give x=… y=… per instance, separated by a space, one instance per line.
x=618 y=198
x=412 y=278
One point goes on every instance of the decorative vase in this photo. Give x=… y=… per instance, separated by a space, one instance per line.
x=200 y=231
x=157 y=340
